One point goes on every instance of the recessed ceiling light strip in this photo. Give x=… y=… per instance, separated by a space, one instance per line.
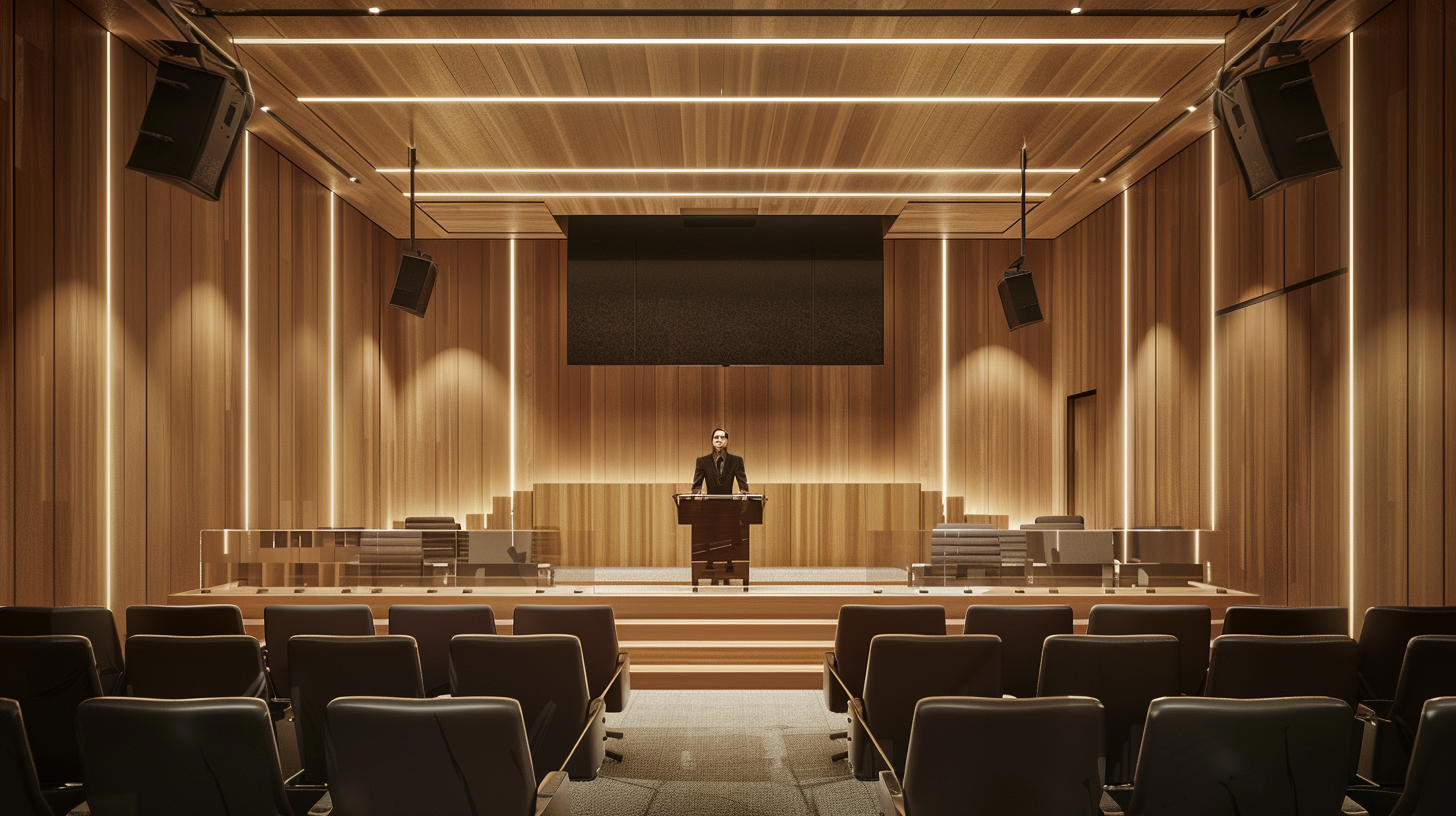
x=310 y=145
x=718 y=100
x=714 y=171
x=731 y=194
x=747 y=41
x=375 y=11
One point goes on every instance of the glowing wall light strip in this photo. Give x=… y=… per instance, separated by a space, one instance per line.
x=944 y=379
x=247 y=334
x=333 y=357
x=511 y=482
x=110 y=500
x=724 y=194
x=1126 y=383
x=726 y=100
x=716 y=171
x=1350 y=350
x=747 y=41
x=1212 y=331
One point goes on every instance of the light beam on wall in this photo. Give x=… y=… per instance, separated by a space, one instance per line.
x=333 y=357
x=1212 y=335
x=247 y=323
x=944 y=380
x=728 y=100
x=1350 y=350
x=110 y=329
x=1126 y=383
x=511 y=480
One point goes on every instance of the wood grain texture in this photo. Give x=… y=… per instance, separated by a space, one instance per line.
x=528 y=219
x=7 y=307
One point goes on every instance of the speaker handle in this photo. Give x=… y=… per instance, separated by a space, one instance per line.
x=199 y=38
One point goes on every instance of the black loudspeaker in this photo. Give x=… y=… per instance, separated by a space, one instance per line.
x=191 y=129
x=415 y=283
x=1274 y=124
x=1018 y=298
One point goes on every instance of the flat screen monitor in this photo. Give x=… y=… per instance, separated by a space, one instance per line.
x=725 y=290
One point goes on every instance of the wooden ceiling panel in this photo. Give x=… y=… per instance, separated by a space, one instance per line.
x=920 y=219
x=1092 y=137
x=526 y=219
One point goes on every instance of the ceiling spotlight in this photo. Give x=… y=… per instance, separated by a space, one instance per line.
x=265 y=109
x=1076 y=9
x=1192 y=108
x=1101 y=179
x=354 y=179
x=374 y=9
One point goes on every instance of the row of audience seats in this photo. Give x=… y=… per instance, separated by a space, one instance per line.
x=896 y=657
x=190 y=673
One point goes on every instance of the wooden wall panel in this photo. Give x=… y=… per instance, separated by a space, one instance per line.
x=7 y=307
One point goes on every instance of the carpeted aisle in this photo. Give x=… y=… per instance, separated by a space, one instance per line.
x=725 y=753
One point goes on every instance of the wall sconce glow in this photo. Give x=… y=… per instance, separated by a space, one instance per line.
x=725 y=171
x=507 y=42
x=727 y=100
x=110 y=332
x=511 y=480
x=720 y=194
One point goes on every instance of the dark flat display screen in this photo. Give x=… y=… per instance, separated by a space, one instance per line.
x=716 y=290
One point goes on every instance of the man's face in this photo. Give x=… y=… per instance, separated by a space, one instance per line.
x=720 y=441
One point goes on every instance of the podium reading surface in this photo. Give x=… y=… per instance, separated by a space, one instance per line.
x=720 y=533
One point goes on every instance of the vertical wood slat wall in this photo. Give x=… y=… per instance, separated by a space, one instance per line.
x=421 y=422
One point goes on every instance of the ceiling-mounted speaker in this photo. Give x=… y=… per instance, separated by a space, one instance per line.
x=415 y=282
x=192 y=126
x=1276 y=128
x=1018 y=298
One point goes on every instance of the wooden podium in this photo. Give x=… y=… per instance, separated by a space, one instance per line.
x=720 y=533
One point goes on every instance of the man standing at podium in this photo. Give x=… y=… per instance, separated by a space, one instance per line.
x=718 y=469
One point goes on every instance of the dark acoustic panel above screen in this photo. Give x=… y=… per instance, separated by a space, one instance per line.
x=707 y=290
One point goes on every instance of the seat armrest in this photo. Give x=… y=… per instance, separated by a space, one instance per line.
x=891 y=796
x=323 y=807
x=836 y=694
x=1383 y=754
x=621 y=685
x=553 y=795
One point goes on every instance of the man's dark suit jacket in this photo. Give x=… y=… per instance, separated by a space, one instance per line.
x=707 y=472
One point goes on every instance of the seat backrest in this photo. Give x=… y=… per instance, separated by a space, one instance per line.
x=19 y=787
x=49 y=676
x=283 y=621
x=594 y=626
x=431 y=523
x=545 y=674
x=1428 y=671
x=1383 y=638
x=444 y=757
x=905 y=669
x=1224 y=757
x=1040 y=756
x=1056 y=523
x=1191 y=624
x=1125 y=672
x=1022 y=630
x=432 y=626
x=214 y=757
x=1286 y=620
x=1430 y=787
x=1251 y=666
x=326 y=667
x=179 y=667
x=858 y=625
x=202 y=619
x=95 y=623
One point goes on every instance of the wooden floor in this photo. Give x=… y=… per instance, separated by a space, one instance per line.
x=770 y=637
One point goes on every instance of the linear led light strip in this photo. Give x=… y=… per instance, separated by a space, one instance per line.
x=110 y=504
x=333 y=357
x=693 y=100
x=1126 y=382
x=1212 y=338
x=755 y=41
x=1350 y=350
x=511 y=477
x=247 y=334
x=741 y=171
x=944 y=381
x=722 y=194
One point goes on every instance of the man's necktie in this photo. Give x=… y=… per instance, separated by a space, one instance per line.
x=720 y=467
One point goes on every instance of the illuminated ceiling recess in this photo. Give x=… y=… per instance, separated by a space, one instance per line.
x=565 y=110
